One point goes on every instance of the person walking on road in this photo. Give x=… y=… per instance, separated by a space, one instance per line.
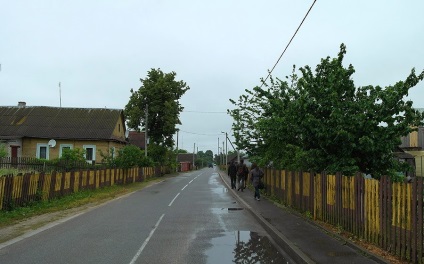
x=232 y=172
x=256 y=175
x=242 y=172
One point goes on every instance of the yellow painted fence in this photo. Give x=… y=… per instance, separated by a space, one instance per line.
x=22 y=189
x=385 y=213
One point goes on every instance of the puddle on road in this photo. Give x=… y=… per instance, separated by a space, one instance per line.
x=243 y=247
x=219 y=190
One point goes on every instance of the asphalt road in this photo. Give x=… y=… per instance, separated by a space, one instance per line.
x=190 y=218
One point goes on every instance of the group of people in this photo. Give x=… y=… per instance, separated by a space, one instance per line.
x=239 y=174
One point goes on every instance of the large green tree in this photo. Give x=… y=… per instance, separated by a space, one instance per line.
x=204 y=158
x=155 y=106
x=321 y=121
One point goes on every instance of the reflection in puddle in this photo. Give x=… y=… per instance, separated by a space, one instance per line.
x=243 y=247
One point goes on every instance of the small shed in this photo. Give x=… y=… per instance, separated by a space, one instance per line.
x=185 y=161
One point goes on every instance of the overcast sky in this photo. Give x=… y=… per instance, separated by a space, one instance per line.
x=99 y=50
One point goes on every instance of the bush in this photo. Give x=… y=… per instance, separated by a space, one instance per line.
x=71 y=159
x=132 y=156
x=3 y=150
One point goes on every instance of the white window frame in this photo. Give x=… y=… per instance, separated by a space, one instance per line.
x=85 y=147
x=62 y=146
x=113 y=155
x=40 y=145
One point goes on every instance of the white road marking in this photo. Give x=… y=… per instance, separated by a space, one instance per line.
x=39 y=230
x=173 y=199
x=146 y=241
x=184 y=187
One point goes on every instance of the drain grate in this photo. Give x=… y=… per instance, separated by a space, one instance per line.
x=234 y=209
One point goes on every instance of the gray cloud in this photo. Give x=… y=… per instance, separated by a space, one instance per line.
x=100 y=50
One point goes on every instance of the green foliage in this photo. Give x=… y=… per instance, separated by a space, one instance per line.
x=109 y=157
x=70 y=159
x=132 y=156
x=163 y=155
x=204 y=158
x=321 y=121
x=158 y=153
x=73 y=155
x=308 y=215
x=3 y=150
x=8 y=171
x=159 y=95
x=208 y=155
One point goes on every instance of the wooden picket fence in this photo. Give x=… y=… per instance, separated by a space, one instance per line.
x=16 y=191
x=387 y=214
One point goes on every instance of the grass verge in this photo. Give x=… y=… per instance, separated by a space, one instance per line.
x=73 y=200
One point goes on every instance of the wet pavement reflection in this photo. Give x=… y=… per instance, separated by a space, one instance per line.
x=219 y=190
x=243 y=247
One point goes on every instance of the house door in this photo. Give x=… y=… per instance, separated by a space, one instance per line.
x=14 y=151
x=14 y=155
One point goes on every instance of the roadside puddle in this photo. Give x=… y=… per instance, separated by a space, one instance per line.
x=243 y=247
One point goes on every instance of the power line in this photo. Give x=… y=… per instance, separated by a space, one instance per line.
x=199 y=133
x=204 y=112
x=269 y=74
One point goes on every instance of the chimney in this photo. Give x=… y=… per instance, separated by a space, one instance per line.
x=21 y=104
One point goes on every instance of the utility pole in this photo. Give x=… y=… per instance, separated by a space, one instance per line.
x=176 y=169
x=223 y=153
x=146 y=141
x=217 y=154
x=226 y=149
x=226 y=152
x=194 y=149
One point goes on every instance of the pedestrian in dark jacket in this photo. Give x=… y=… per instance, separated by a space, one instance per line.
x=232 y=172
x=256 y=175
x=242 y=172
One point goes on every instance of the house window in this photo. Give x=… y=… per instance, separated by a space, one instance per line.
x=42 y=151
x=90 y=152
x=63 y=147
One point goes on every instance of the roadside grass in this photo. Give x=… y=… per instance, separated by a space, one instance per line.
x=73 y=200
x=4 y=172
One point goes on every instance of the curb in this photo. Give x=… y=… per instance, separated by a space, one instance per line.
x=348 y=243
x=291 y=249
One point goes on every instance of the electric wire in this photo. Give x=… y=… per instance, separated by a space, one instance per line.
x=270 y=72
x=188 y=132
x=204 y=112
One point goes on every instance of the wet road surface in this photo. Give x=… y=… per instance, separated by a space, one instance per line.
x=190 y=218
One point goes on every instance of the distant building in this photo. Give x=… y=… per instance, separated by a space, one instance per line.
x=137 y=139
x=414 y=144
x=185 y=161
